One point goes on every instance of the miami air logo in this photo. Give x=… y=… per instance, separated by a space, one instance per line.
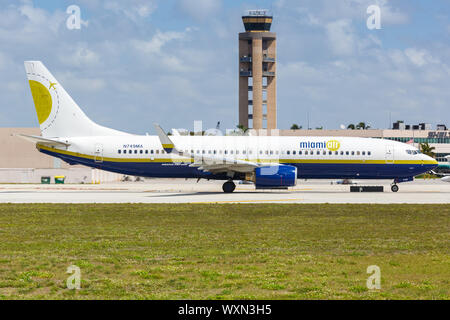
x=333 y=145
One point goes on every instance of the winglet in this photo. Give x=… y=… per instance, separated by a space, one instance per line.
x=166 y=143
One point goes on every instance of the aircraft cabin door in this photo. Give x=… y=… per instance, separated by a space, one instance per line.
x=390 y=154
x=98 y=153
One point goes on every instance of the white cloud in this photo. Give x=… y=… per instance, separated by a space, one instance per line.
x=420 y=57
x=200 y=9
x=341 y=37
x=307 y=18
x=390 y=15
x=80 y=56
x=134 y=10
x=73 y=82
x=159 y=40
x=314 y=11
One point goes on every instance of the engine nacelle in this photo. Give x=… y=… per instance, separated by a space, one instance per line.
x=275 y=177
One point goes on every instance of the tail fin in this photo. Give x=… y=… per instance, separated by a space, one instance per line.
x=58 y=114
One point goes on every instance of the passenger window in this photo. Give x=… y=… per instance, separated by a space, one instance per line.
x=330 y=153
x=294 y=152
x=336 y=153
x=237 y=151
x=358 y=153
x=324 y=153
x=271 y=152
x=157 y=151
x=130 y=151
x=288 y=152
x=135 y=151
x=142 y=151
x=347 y=153
x=146 y=151
x=203 y=151
x=120 y=151
x=231 y=151
x=209 y=151
x=226 y=152
x=369 y=153
x=244 y=152
x=363 y=153
x=318 y=152
x=215 y=151
x=353 y=153
x=342 y=153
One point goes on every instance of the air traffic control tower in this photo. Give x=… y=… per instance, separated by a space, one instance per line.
x=257 y=72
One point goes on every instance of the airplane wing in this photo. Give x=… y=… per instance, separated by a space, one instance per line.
x=207 y=163
x=44 y=141
x=444 y=176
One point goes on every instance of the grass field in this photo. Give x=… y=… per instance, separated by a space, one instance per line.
x=224 y=251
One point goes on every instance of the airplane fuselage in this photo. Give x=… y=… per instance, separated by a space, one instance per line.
x=314 y=157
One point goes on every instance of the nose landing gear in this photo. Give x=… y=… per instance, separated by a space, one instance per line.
x=229 y=186
x=394 y=187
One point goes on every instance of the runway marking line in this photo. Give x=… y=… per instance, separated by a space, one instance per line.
x=247 y=201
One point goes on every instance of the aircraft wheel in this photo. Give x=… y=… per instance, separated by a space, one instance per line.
x=228 y=187
x=394 y=188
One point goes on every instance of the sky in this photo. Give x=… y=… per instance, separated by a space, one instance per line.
x=136 y=62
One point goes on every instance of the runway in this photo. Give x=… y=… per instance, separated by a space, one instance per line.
x=189 y=191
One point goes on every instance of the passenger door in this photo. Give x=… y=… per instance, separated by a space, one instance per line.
x=390 y=154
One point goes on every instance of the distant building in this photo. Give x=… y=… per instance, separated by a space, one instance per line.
x=257 y=72
x=400 y=125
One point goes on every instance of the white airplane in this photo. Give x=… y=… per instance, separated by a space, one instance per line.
x=269 y=162
x=444 y=176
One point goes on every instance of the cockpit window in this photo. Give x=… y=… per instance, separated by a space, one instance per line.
x=412 y=152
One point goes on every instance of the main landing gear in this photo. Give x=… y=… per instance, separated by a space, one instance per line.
x=229 y=186
x=394 y=187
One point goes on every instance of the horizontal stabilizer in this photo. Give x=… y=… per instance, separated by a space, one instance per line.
x=45 y=141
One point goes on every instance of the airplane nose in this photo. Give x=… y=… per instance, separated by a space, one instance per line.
x=431 y=160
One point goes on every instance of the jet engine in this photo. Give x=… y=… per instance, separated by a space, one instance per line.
x=274 y=177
